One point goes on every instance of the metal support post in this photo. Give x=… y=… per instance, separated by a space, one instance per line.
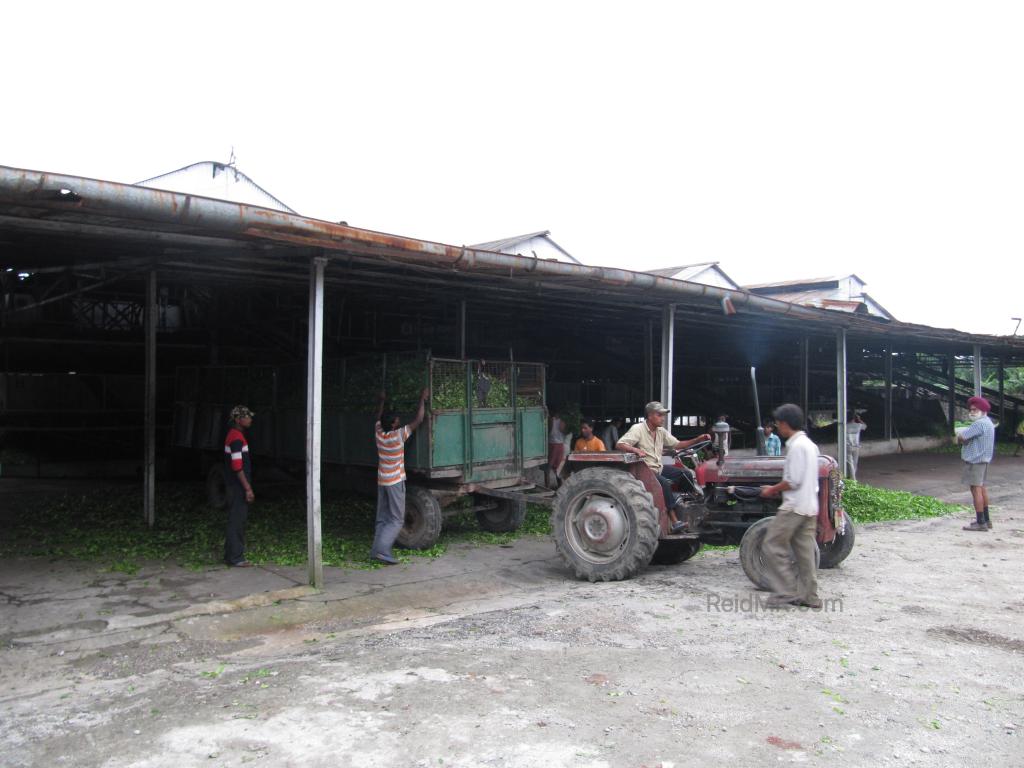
x=841 y=399
x=805 y=390
x=462 y=329
x=668 y=327
x=1002 y=397
x=149 y=463
x=976 y=359
x=314 y=419
x=887 y=425
x=951 y=383
x=648 y=360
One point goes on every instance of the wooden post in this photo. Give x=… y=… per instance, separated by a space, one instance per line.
x=841 y=399
x=668 y=327
x=149 y=463
x=314 y=420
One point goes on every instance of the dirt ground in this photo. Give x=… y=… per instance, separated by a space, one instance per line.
x=495 y=657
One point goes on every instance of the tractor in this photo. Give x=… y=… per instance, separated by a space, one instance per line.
x=609 y=519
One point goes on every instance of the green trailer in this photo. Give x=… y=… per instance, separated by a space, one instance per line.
x=486 y=426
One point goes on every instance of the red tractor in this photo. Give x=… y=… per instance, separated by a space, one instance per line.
x=609 y=518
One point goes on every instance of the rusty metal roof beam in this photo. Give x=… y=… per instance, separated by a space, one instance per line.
x=57 y=192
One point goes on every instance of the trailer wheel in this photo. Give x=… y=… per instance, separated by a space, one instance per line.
x=507 y=516
x=423 y=519
x=837 y=550
x=605 y=524
x=752 y=556
x=675 y=551
x=216 y=490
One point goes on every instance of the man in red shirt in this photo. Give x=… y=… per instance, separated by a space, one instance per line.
x=391 y=439
x=238 y=482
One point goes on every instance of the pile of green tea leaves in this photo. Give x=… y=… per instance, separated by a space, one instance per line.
x=866 y=504
x=106 y=526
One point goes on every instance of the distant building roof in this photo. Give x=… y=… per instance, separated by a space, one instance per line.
x=705 y=272
x=518 y=245
x=812 y=282
x=843 y=293
x=221 y=181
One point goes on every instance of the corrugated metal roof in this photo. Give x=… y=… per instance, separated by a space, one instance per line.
x=767 y=287
x=691 y=272
x=671 y=271
x=58 y=205
x=509 y=244
x=176 y=181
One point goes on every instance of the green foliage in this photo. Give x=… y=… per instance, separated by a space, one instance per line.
x=866 y=504
x=1013 y=381
x=448 y=392
x=107 y=527
x=572 y=416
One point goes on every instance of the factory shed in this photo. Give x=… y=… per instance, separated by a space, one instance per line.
x=120 y=285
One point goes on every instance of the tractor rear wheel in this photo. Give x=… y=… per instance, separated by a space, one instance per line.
x=675 y=551
x=506 y=517
x=605 y=524
x=216 y=489
x=752 y=556
x=423 y=519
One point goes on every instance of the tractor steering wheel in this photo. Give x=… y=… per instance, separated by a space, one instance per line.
x=694 y=448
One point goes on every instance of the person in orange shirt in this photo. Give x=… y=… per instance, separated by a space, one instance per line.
x=588 y=442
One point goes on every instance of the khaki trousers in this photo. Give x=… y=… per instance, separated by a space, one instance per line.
x=790 y=538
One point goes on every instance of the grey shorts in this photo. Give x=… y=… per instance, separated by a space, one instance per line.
x=974 y=474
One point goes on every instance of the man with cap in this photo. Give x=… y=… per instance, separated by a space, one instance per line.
x=978 y=443
x=238 y=483
x=648 y=440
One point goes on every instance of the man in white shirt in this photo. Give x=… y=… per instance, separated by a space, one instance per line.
x=792 y=532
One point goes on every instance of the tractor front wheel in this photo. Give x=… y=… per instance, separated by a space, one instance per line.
x=752 y=556
x=605 y=524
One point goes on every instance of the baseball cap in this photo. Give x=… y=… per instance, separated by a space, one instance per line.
x=241 y=412
x=654 y=405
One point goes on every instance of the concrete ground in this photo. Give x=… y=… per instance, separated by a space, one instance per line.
x=495 y=656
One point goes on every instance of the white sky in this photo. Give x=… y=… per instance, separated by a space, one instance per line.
x=783 y=139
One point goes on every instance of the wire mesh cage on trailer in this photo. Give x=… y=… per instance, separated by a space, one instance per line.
x=448 y=384
x=529 y=385
x=487 y=420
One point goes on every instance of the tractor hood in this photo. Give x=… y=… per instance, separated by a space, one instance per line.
x=752 y=470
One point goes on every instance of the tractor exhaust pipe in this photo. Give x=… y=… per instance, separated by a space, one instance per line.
x=762 y=448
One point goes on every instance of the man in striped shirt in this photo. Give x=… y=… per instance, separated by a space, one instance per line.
x=391 y=437
x=238 y=484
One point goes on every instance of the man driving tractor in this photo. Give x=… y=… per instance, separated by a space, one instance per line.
x=648 y=440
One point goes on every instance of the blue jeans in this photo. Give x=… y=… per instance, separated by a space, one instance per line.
x=390 y=517
x=669 y=474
